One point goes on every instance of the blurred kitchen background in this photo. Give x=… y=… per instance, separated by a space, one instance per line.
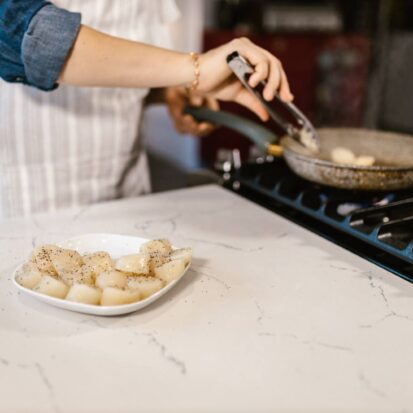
x=349 y=63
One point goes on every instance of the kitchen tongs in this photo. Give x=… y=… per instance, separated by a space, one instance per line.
x=305 y=134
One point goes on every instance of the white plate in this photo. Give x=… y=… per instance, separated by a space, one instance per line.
x=116 y=246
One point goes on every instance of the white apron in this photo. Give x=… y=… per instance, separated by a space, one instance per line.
x=77 y=146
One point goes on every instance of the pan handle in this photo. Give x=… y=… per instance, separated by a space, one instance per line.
x=262 y=137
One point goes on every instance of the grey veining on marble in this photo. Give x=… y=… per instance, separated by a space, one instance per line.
x=271 y=318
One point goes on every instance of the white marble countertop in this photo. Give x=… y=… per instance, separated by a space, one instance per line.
x=271 y=318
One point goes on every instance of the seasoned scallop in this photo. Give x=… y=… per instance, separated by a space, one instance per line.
x=112 y=278
x=78 y=275
x=184 y=254
x=158 y=250
x=156 y=247
x=41 y=257
x=135 y=263
x=85 y=294
x=170 y=270
x=65 y=260
x=29 y=275
x=99 y=262
x=116 y=296
x=155 y=261
x=51 y=286
x=146 y=285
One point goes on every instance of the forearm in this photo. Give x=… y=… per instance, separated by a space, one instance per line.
x=98 y=59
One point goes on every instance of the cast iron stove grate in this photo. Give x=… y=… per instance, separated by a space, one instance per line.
x=377 y=226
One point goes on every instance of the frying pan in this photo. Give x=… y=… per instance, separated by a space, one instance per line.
x=393 y=153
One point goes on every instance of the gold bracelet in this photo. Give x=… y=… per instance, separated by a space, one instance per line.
x=197 y=72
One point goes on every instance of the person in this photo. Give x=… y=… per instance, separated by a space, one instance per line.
x=75 y=75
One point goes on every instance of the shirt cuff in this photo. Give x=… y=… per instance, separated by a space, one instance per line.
x=47 y=43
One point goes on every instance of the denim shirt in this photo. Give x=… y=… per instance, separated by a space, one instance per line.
x=35 y=40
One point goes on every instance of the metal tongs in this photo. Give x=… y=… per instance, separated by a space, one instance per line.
x=305 y=134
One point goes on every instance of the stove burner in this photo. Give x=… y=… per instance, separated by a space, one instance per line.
x=348 y=207
x=375 y=225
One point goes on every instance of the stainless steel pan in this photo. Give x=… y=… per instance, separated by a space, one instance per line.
x=393 y=155
x=393 y=168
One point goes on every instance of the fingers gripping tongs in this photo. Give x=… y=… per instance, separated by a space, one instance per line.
x=305 y=133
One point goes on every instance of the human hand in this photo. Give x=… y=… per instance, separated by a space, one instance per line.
x=177 y=98
x=218 y=81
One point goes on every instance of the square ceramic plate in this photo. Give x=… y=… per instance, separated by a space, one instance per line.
x=116 y=246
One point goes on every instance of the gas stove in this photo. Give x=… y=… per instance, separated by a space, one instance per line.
x=375 y=225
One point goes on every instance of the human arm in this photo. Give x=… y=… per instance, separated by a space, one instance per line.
x=54 y=48
x=98 y=59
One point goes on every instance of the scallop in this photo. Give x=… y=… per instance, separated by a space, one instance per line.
x=117 y=296
x=146 y=285
x=78 y=275
x=65 y=260
x=51 y=286
x=365 y=160
x=85 y=294
x=184 y=254
x=170 y=271
x=29 y=275
x=135 y=263
x=343 y=156
x=41 y=257
x=99 y=262
x=112 y=278
x=156 y=247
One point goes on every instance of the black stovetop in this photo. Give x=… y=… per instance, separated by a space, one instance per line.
x=375 y=225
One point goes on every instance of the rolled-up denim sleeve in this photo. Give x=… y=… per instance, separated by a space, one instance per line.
x=47 y=44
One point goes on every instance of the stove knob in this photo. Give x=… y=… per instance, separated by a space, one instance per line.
x=236 y=185
x=258 y=156
x=227 y=160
